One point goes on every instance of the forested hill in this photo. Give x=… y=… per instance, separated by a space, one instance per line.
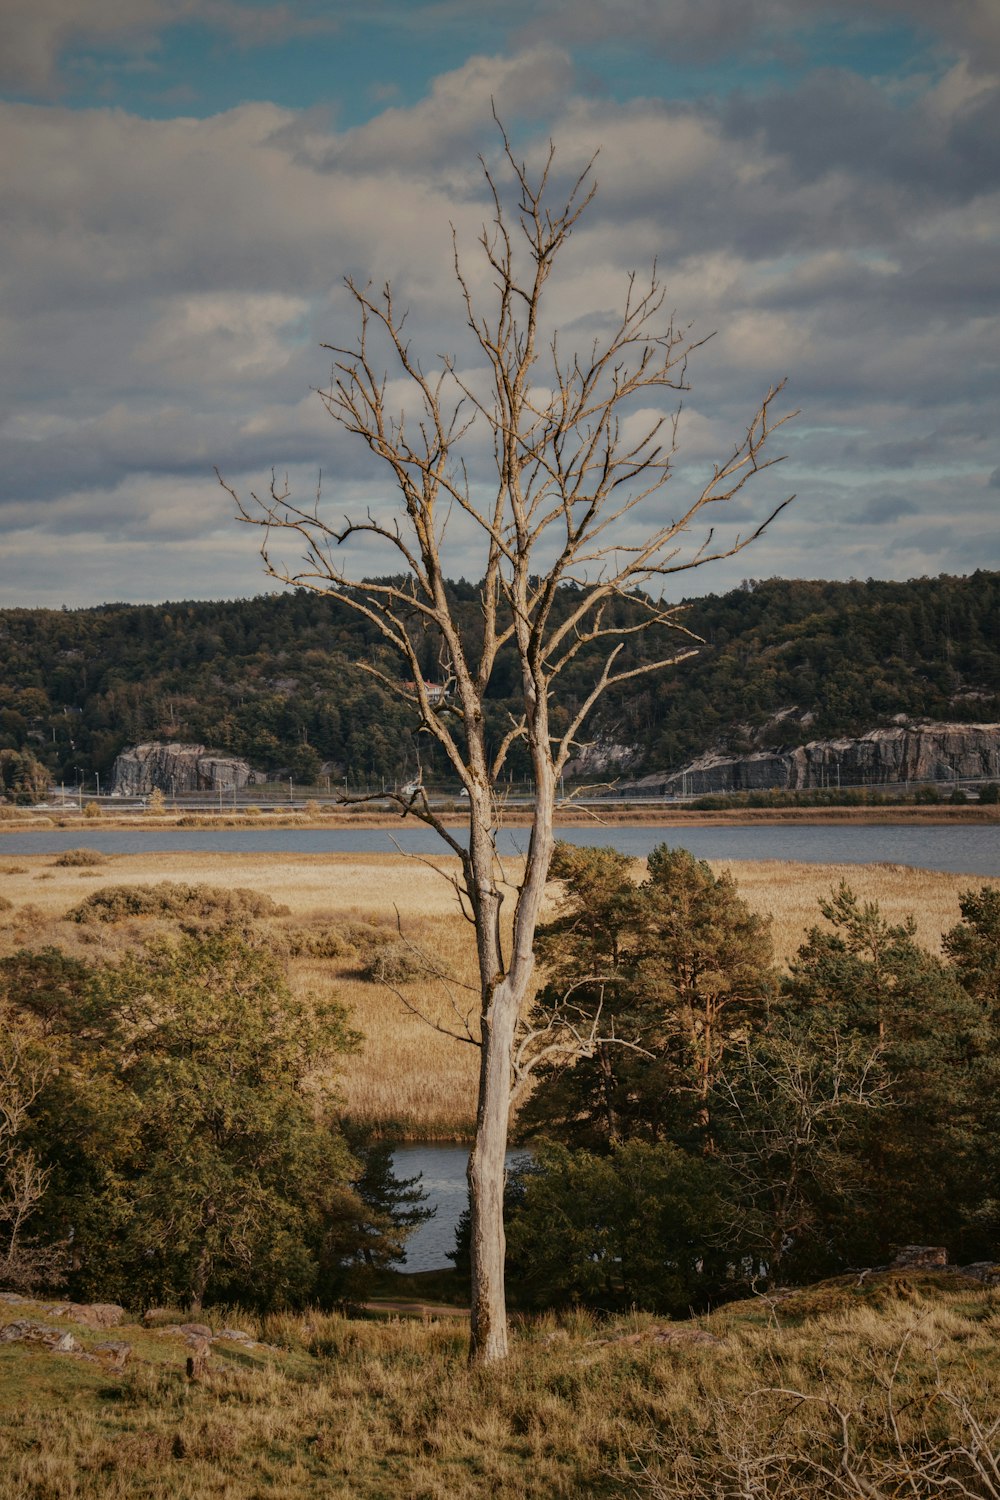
x=276 y=679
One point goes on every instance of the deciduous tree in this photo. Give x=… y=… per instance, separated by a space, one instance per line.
x=582 y=447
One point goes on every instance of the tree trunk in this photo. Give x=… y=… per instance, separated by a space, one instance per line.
x=487 y=1176
x=502 y=1001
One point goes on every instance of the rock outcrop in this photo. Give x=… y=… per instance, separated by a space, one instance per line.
x=142 y=769
x=917 y=752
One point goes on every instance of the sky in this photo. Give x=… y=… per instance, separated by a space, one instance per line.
x=186 y=184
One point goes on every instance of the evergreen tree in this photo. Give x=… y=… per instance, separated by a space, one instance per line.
x=678 y=965
x=864 y=977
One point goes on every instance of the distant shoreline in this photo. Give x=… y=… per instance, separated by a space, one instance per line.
x=568 y=817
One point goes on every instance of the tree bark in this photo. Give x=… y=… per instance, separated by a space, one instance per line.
x=487 y=1177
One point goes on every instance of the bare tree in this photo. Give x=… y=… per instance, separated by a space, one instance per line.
x=570 y=471
x=23 y=1075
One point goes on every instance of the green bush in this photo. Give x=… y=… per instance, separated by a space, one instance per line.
x=188 y=1127
x=116 y=903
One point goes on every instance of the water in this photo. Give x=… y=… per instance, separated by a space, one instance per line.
x=442 y=1168
x=964 y=849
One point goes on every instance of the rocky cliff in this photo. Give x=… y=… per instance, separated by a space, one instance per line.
x=905 y=752
x=178 y=768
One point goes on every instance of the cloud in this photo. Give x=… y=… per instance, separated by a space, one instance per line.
x=704 y=31
x=171 y=282
x=37 y=33
x=446 y=127
x=883 y=508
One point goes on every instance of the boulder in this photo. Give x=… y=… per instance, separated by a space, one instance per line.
x=920 y=1258
x=90 y=1314
x=236 y=1336
x=59 y=1340
x=986 y=1271
x=117 y=1354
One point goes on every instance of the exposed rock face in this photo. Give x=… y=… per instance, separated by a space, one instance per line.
x=600 y=757
x=906 y=752
x=178 y=768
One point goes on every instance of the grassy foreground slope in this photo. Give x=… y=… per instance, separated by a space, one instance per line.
x=868 y=1387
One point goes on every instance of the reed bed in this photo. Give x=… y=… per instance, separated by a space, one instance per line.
x=408 y=1077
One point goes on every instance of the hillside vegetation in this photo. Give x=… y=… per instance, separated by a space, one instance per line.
x=277 y=679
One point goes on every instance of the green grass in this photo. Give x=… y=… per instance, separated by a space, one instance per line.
x=340 y=1407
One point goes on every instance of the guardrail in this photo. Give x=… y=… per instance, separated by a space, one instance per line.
x=301 y=798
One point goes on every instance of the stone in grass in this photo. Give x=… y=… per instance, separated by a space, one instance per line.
x=90 y=1314
x=60 y=1341
x=236 y=1336
x=920 y=1258
x=190 y=1331
x=118 y=1354
x=986 y=1271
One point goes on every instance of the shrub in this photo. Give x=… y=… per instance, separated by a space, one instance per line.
x=115 y=903
x=392 y=962
x=74 y=857
x=319 y=942
x=91 y=811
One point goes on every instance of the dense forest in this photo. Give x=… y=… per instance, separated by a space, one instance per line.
x=279 y=679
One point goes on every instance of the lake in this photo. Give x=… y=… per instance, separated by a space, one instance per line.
x=963 y=849
x=442 y=1168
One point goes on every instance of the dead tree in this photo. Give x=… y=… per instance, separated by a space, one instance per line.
x=570 y=477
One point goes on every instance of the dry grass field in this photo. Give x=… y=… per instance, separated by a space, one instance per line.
x=844 y=1391
x=408 y=1076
